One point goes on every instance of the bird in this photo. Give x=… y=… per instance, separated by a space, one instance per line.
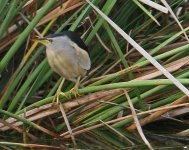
x=68 y=56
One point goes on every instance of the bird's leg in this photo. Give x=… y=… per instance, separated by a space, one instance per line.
x=59 y=92
x=74 y=90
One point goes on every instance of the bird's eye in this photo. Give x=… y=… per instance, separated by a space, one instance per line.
x=50 y=40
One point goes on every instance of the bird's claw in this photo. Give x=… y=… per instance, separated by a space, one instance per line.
x=74 y=91
x=56 y=98
x=65 y=95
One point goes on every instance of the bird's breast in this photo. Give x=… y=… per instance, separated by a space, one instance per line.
x=64 y=63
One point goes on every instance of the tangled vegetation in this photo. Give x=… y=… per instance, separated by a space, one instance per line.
x=126 y=102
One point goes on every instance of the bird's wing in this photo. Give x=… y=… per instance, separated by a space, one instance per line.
x=83 y=57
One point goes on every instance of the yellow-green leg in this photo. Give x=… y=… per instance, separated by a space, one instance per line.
x=59 y=92
x=74 y=90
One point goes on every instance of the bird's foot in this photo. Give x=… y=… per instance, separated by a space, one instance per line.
x=56 y=99
x=74 y=91
x=67 y=96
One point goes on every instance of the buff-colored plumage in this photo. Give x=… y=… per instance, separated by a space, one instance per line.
x=67 y=59
x=67 y=55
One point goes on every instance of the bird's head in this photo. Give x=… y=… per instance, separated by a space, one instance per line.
x=60 y=40
x=55 y=42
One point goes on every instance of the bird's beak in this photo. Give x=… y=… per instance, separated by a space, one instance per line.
x=43 y=41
